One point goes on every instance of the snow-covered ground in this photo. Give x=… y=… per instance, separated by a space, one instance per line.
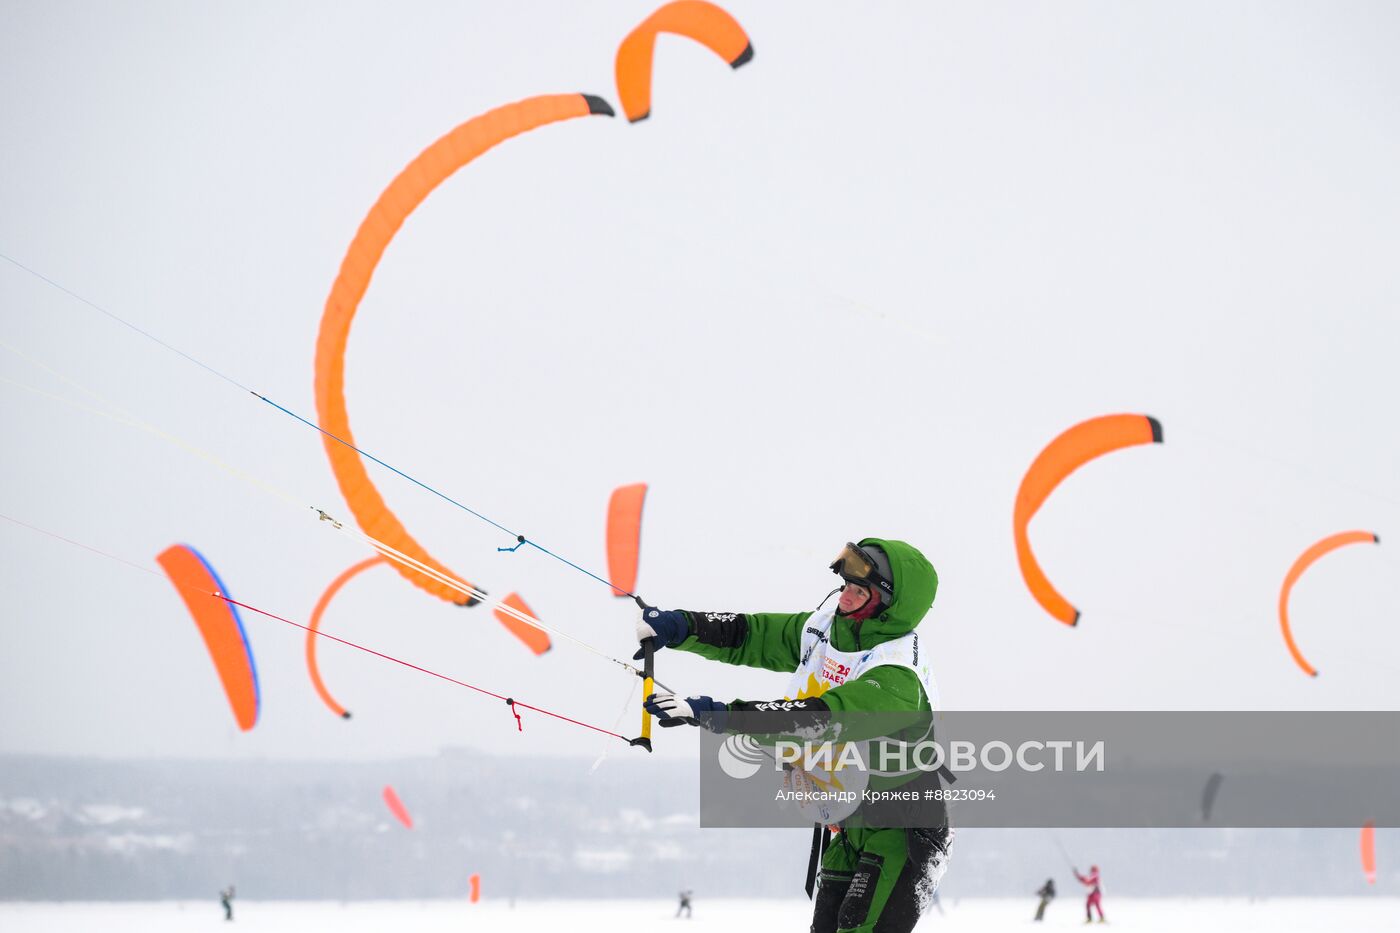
x=1296 y=915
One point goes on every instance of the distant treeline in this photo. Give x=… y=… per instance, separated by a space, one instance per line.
x=90 y=829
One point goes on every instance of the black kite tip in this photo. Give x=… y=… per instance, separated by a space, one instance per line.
x=599 y=107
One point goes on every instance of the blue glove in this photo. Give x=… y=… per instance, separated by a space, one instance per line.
x=671 y=710
x=669 y=627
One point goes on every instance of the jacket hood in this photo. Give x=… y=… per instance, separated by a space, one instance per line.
x=915 y=585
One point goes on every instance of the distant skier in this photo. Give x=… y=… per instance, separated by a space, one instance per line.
x=1095 y=899
x=226 y=899
x=684 y=904
x=1046 y=895
x=862 y=657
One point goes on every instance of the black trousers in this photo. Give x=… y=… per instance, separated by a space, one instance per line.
x=885 y=889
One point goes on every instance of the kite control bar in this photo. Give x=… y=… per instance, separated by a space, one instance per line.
x=648 y=687
x=648 y=676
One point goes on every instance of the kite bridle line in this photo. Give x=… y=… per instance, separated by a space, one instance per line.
x=520 y=539
x=510 y=701
x=126 y=418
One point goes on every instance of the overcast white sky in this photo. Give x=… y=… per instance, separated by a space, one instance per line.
x=848 y=290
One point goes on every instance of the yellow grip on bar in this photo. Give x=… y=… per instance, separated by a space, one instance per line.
x=648 y=688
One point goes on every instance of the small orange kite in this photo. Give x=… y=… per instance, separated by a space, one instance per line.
x=704 y=22
x=1065 y=454
x=396 y=807
x=219 y=625
x=625 y=536
x=1304 y=561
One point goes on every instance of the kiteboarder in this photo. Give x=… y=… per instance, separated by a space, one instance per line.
x=226 y=899
x=1046 y=895
x=861 y=657
x=1095 y=899
x=684 y=904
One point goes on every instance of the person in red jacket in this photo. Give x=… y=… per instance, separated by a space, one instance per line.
x=1095 y=899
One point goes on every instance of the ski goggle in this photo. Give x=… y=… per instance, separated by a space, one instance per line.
x=855 y=565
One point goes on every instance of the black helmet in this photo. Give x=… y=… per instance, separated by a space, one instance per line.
x=866 y=565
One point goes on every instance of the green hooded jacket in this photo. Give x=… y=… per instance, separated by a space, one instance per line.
x=774 y=640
